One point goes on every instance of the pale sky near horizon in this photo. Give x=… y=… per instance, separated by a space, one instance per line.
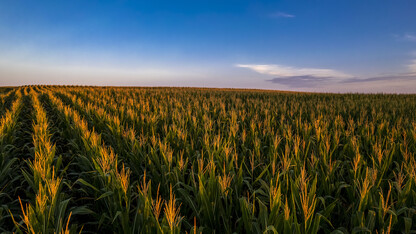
x=324 y=46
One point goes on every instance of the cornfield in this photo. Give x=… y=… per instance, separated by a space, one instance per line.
x=186 y=160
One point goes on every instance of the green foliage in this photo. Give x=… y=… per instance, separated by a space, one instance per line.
x=175 y=160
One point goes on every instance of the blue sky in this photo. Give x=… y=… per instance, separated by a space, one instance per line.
x=330 y=46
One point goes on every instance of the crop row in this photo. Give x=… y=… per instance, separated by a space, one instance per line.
x=206 y=160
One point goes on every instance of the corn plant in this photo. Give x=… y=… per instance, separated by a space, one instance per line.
x=195 y=160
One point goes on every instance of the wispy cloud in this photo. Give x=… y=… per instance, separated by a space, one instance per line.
x=280 y=14
x=281 y=71
x=409 y=75
x=409 y=37
x=406 y=37
x=412 y=66
x=403 y=81
x=391 y=78
x=321 y=79
x=299 y=81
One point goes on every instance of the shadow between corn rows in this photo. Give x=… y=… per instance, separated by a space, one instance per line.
x=19 y=148
x=70 y=148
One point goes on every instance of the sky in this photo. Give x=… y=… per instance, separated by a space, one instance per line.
x=311 y=45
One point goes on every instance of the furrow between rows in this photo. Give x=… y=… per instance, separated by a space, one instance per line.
x=106 y=182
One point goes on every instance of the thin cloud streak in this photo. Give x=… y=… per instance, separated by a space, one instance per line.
x=318 y=78
x=409 y=37
x=299 y=81
x=288 y=71
x=280 y=14
x=406 y=37
x=383 y=83
x=393 y=78
x=412 y=66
